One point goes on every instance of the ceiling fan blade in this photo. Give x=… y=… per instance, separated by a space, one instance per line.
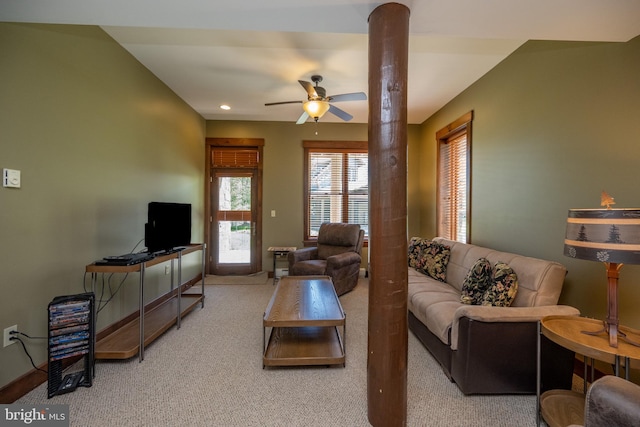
x=340 y=113
x=283 y=102
x=303 y=118
x=308 y=86
x=356 y=96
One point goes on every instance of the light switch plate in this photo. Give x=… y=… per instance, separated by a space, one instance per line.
x=11 y=178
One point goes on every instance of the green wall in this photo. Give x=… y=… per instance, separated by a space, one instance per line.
x=283 y=173
x=96 y=137
x=555 y=124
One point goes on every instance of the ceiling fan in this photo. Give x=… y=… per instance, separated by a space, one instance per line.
x=319 y=103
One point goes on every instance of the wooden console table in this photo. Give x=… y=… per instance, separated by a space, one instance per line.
x=565 y=407
x=131 y=338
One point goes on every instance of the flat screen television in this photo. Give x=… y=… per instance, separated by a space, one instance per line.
x=168 y=226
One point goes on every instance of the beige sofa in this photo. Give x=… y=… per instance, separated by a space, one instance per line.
x=487 y=349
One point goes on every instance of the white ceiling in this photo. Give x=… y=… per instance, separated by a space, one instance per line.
x=246 y=53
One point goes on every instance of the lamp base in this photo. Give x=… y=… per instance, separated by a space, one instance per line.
x=614 y=334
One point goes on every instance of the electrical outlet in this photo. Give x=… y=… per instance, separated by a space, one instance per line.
x=7 y=335
x=167 y=269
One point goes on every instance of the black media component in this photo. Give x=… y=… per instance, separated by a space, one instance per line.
x=71 y=337
x=168 y=226
x=126 y=259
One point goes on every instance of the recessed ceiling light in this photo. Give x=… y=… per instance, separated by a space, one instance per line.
x=225 y=107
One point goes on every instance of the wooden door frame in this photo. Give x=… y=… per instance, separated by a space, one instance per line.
x=210 y=143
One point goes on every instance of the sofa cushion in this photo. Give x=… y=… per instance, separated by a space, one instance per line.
x=436 y=310
x=429 y=257
x=420 y=283
x=504 y=286
x=477 y=282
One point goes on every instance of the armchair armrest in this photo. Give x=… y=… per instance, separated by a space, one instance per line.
x=335 y=262
x=303 y=254
x=483 y=313
x=612 y=401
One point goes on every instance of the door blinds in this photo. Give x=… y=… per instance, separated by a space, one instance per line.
x=235 y=158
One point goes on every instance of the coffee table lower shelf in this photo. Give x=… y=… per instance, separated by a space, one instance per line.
x=561 y=408
x=301 y=346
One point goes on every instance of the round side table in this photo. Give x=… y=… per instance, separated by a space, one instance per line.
x=565 y=407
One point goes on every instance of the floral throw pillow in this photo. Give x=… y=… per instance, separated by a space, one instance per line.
x=435 y=259
x=429 y=257
x=416 y=248
x=504 y=287
x=477 y=282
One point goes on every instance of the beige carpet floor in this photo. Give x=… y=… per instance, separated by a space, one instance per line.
x=209 y=373
x=252 y=279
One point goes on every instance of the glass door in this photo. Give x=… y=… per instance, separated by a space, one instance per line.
x=233 y=228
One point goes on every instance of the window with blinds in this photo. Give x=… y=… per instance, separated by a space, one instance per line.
x=453 y=221
x=337 y=188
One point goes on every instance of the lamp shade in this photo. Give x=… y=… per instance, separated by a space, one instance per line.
x=316 y=109
x=606 y=235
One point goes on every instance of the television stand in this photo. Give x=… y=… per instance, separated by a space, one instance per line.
x=149 y=323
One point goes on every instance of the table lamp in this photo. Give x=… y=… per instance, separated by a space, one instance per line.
x=607 y=235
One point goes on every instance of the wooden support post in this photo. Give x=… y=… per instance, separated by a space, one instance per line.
x=388 y=340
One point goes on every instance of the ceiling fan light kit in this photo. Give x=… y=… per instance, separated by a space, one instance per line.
x=318 y=103
x=316 y=109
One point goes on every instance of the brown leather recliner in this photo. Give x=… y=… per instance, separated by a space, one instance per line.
x=612 y=401
x=336 y=255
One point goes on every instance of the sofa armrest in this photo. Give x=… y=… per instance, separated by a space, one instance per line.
x=501 y=358
x=335 y=262
x=304 y=254
x=481 y=313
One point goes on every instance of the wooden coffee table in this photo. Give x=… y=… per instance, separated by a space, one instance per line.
x=305 y=317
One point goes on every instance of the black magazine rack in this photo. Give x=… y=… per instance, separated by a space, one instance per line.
x=71 y=336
